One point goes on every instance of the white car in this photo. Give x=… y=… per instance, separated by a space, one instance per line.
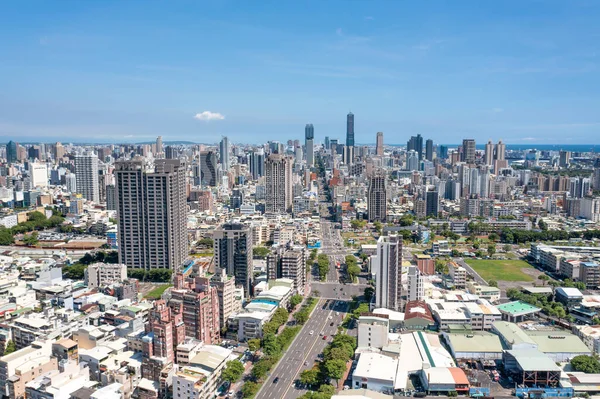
x=311 y=332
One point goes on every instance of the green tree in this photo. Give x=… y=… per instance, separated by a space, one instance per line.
x=543 y=278
x=441 y=266
x=542 y=225
x=250 y=389
x=491 y=250
x=260 y=252
x=378 y=226
x=334 y=369
x=493 y=237
x=254 y=344
x=36 y=216
x=206 y=242
x=271 y=345
x=369 y=293
x=337 y=353
x=10 y=347
x=233 y=371
x=31 y=239
x=310 y=377
x=455 y=252
x=327 y=390
x=301 y=317
x=493 y=283
x=295 y=300
x=6 y=236
x=586 y=364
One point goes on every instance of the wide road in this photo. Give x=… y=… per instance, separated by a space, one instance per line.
x=304 y=350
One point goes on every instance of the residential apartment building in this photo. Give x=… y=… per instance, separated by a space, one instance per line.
x=101 y=274
x=388 y=269
x=233 y=253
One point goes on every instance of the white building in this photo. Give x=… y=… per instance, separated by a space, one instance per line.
x=415 y=284
x=590 y=208
x=458 y=275
x=201 y=378
x=373 y=331
x=86 y=173
x=39 y=174
x=101 y=274
x=388 y=271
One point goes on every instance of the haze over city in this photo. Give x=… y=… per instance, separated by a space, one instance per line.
x=523 y=71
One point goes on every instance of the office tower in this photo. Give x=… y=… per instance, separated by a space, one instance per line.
x=71 y=183
x=171 y=152
x=309 y=135
x=348 y=155
x=388 y=269
x=564 y=159
x=468 y=154
x=412 y=160
x=500 y=151
x=233 y=253
x=278 y=179
x=298 y=156
x=225 y=286
x=159 y=147
x=237 y=199
x=416 y=290
x=326 y=142
x=224 y=148
x=432 y=205
x=377 y=198
x=208 y=168
x=86 y=171
x=12 y=151
x=443 y=152
x=429 y=150
x=39 y=174
x=484 y=184
x=474 y=181
x=350 y=130
x=257 y=163
x=151 y=206
x=379 y=144
x=579 y=187
x=489 y=153
x=58 y=151
x=111 y=197
x=199 y=305
x=293 y=266
x=416 y=143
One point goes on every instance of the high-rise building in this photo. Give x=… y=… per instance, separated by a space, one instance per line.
x=412 y=160
x=58 y=151
x=377 y=198
x=159 y=145
x=208 y=168
x=151 y=207
x=278 y=180
x=564 y=159
x=257 y=163
x=379 y=144
x=86 y=171
x=71 y=183
x=233 y=252
x=350 y=130
x=429 y=150
x=171 y=152
x=468 y=148
x=39 y=174
x=443 y=152
x=168 y=331
x=500 y=151
x=489 y=153
x=326 y=142
x=432 y=203
x=309 y=133
x=12 y=151
x=348 y=155
x=388 y=293
x=416 y=143
x=225 y=286
x=293 y=266
x=416 y=290
x=224 y=148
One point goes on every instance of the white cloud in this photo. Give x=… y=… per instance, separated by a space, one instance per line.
x=497 y=110
x=209 y=116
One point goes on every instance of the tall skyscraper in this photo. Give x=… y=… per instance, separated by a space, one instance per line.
x=377 y=198
x=278 y=180
x=233 y=253
x=257 y=163
x=468 y=148
x=159 y=147
x=293 y=266
x=326 y=142
x=489 y=153
x=412 y=160
x=86 y=171
x=500 y=151
x=224 y=148
x=309 y=135
x=58 y=151
x=429 y=150
x=416 y=290
x=151 y=206
x=432 y=203
x=388 y=293
x=416 y=143
x=564 y=159
x=12 y=151
x=208 y=168
x=379 y=144
x=443 y=152
x=350 y=130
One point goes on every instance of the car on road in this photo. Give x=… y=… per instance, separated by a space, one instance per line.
x=311 y=332
x=324 y=337
x=275 y=380
x=331 y=324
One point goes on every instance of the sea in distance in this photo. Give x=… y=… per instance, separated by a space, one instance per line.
x=539 y=147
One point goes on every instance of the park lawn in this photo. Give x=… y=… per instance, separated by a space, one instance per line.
x=157 y=292
x=500 y=270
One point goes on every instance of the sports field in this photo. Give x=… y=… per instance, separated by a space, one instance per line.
x=501 y=270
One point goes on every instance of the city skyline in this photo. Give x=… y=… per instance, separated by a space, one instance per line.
x=494 y=70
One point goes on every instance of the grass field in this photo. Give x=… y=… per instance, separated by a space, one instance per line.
x=501 y=270
x=157 y=292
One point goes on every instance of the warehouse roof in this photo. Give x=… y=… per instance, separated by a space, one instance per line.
x=533 y=360
x=512 y=333
x=517 y=308
x=569 y=292
x=476 y=341
x=558 y=342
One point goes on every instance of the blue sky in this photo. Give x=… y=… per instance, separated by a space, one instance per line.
x=521 y=71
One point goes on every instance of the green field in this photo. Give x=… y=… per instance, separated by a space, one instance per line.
x=157 y=292
x=500 y=270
